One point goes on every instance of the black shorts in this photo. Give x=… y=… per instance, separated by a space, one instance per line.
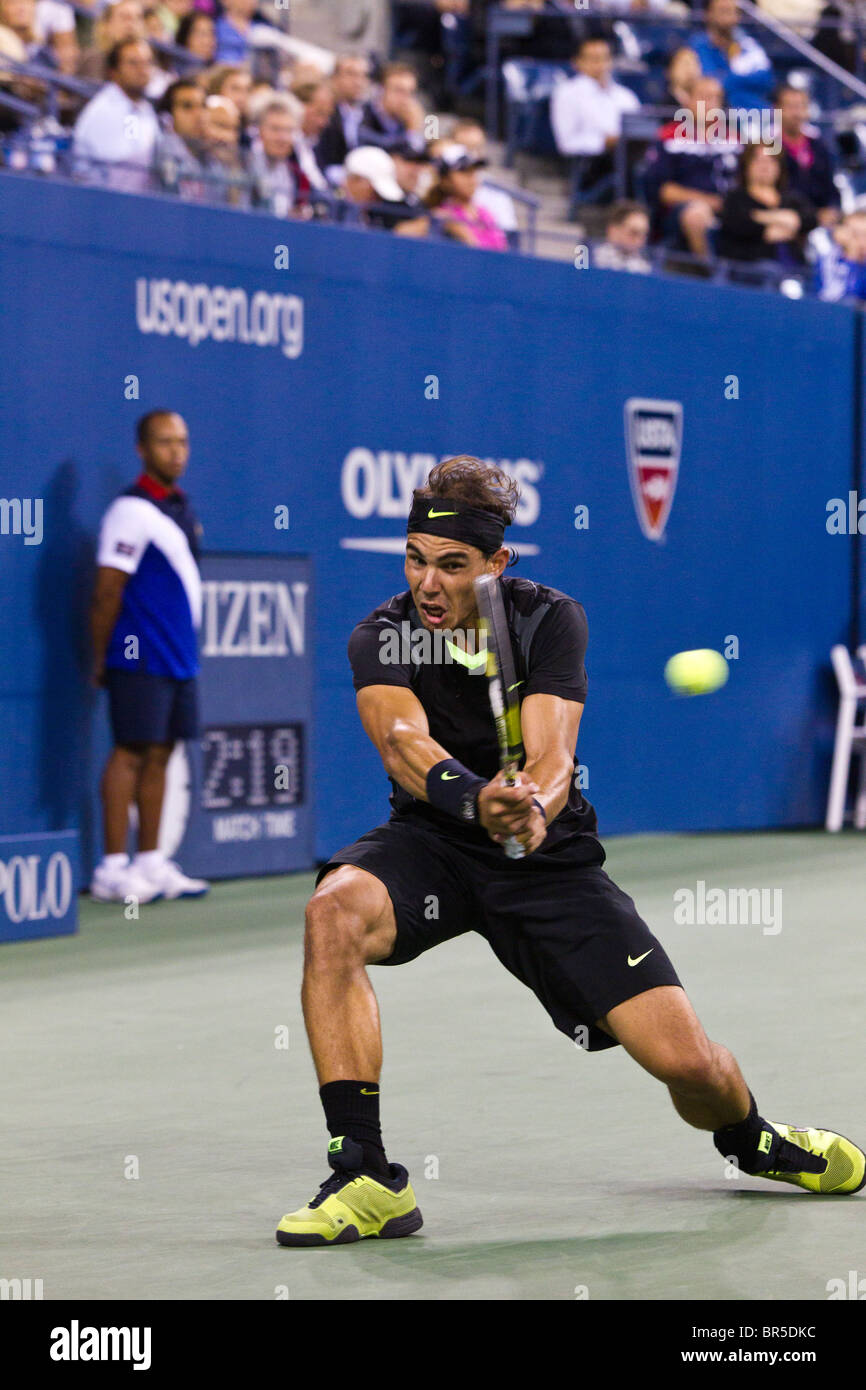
x=151 y=709
x=557 y=923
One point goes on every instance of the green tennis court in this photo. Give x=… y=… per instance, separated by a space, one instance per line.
x=156 y=1048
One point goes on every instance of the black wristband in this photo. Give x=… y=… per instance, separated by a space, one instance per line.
x=452 y=788
x=537 y=803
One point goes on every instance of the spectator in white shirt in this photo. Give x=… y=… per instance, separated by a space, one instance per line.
x=118 y=125
x=586 y=113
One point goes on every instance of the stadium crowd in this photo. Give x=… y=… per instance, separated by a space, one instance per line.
x=212 y=101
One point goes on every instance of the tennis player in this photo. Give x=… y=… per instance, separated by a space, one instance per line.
x=437 y=869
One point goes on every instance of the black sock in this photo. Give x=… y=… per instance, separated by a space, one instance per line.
x=745 y=1141
x=352 y=1108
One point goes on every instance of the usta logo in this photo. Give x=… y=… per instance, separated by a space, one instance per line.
x=655 y=432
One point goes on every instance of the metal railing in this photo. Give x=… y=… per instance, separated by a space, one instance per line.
x=54 y=82
x=813 y=55
x=24 y=109
x=237 y=190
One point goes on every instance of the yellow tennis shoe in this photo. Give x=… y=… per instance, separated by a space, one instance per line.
x=817 y=1159
x=352 y=1204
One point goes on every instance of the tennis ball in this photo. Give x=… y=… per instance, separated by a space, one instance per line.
x=696 y=673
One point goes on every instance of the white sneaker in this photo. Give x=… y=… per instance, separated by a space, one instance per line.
x=169 y=879
x=112 y=884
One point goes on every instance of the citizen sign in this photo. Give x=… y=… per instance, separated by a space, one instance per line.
x=33 y=891
x=253 y=617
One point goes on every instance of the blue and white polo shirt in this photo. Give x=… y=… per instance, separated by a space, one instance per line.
x=151 y=533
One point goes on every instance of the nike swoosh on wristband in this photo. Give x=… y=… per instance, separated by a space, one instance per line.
x=449 y=776
x=640 y=958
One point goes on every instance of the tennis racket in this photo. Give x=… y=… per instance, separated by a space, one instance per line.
x=502 y=687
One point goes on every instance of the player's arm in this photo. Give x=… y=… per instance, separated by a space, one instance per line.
x=550 y=726
x=551 y=710
x=395 y=722
x=104 y=612
x=123 y=538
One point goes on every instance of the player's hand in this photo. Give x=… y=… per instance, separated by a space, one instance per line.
x=504 y=810
x=533 y=836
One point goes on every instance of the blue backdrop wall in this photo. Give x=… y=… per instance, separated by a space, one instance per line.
x=311 y=387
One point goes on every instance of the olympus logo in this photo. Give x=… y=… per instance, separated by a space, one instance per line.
x=31 y=892
x=380 y=483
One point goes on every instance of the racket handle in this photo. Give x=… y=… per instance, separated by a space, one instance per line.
x=512 y=846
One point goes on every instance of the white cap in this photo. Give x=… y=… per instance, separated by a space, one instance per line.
x=376 y=165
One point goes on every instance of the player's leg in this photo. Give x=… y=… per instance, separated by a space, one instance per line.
x=138 y=711
x=660 y=1030
x=704 y=1080
x=118 y=790
x=396 y=892
x=114 y=878
x=576 y=939
x=349 y=924
x=150 y=793
x=173 y=717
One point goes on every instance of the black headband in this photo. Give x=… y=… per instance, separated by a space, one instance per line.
x=440 y=516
